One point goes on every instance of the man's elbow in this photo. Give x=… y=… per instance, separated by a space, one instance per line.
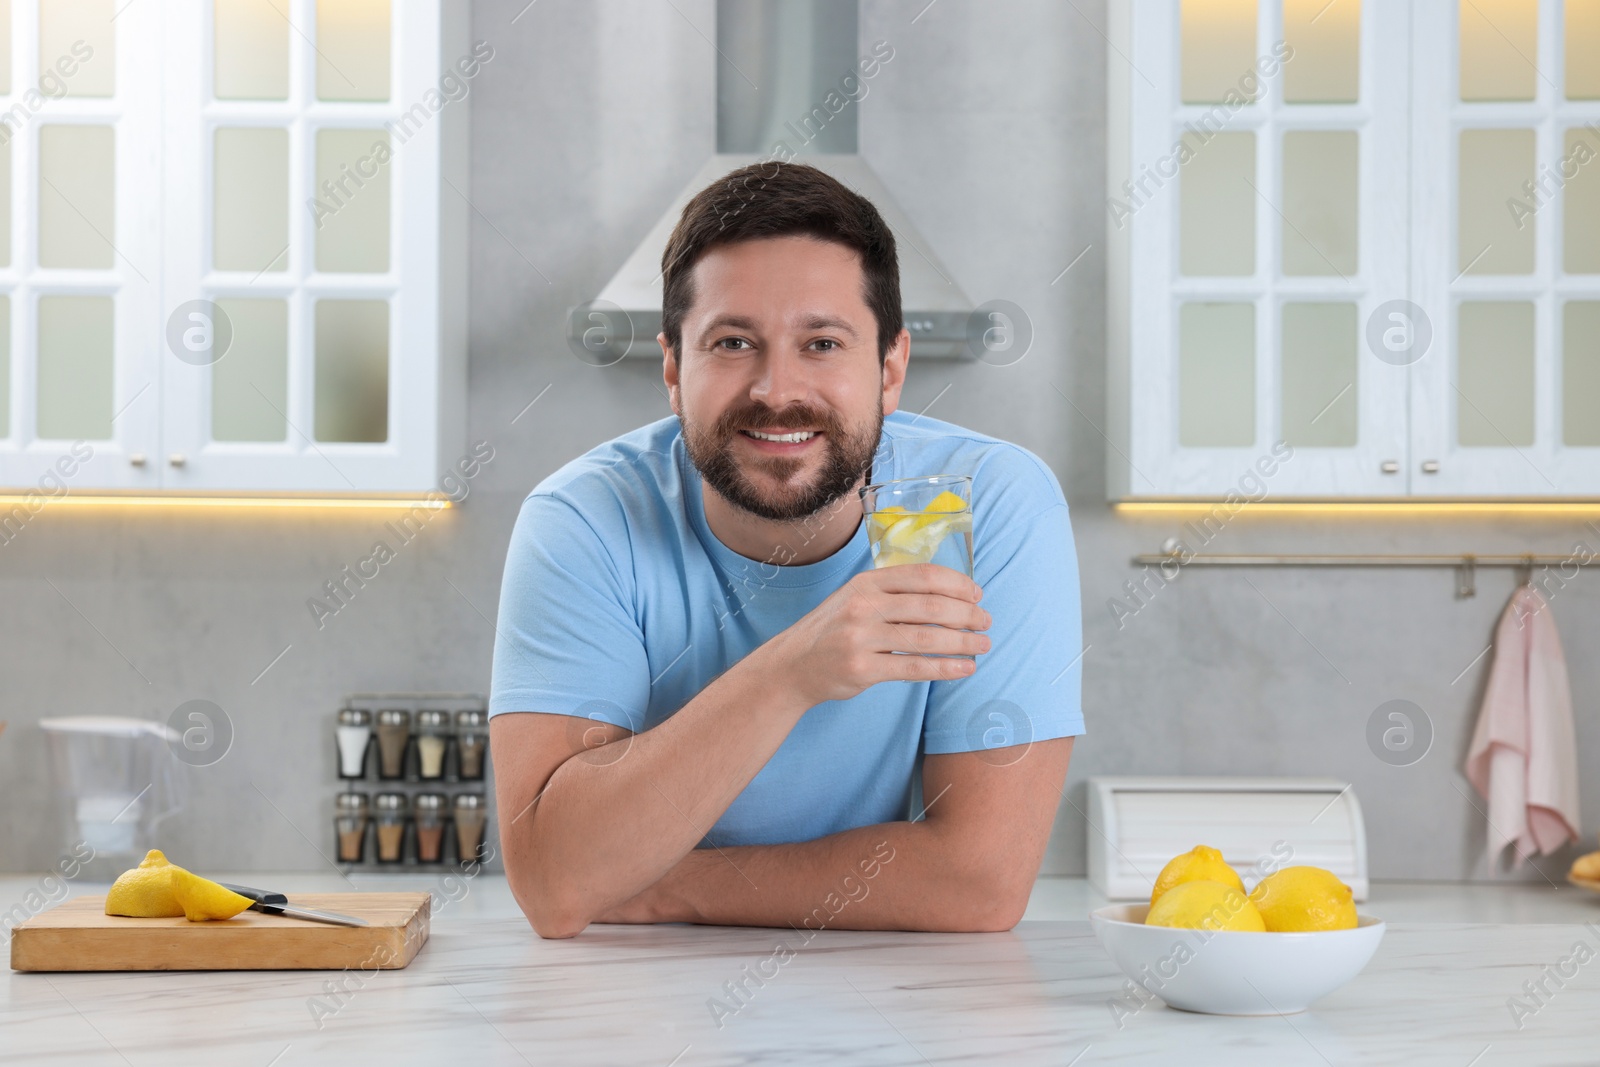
x=995 y=918
x=997 y=906
x=555 y=925
x=550 y=916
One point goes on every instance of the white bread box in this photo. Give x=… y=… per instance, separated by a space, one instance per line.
x=1259 y=824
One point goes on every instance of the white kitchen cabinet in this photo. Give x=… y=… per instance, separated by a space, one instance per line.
x=1289 y=207
x=280 y=303
x=1507 y=95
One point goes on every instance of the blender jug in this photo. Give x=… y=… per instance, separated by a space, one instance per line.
x=120 y=779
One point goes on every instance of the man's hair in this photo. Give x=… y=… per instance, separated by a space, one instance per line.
x=773 y=199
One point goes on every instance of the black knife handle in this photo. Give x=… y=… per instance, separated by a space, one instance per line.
x=260 y=896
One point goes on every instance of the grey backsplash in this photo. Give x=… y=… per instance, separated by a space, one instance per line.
x=989 y=125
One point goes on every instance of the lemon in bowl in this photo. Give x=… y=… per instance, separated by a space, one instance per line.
x=1205 y=946
x=1200 y=864
x=1304 y=900
x=1202 y=905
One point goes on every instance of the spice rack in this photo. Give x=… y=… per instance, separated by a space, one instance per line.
x=415 y=771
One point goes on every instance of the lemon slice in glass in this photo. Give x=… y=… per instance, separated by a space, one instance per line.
x=914 y=537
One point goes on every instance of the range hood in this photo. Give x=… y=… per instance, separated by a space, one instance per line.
x=777 y=62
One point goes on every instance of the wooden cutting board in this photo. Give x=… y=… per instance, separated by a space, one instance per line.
x=79 y=936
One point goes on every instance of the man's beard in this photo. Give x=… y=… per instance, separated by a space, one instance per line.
x=846 y=458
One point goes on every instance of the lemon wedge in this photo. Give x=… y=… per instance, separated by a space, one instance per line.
x=204 y=899
x=946 y=501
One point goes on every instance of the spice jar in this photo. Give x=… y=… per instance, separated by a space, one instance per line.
x=433 y=736
x=472 y=740
x=471 y=812
x=394 y=730
x=390 y=817
x=350 y=823
x=429 y=818
x=354 y=736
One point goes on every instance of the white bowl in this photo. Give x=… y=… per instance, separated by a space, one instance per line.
x=1231 y=972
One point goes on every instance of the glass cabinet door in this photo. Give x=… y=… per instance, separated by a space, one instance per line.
x=1263 y=225
x=290 y=252
x=79 y=247
x=1507 y=171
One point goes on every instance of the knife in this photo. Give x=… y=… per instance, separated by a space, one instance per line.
x=277 y=904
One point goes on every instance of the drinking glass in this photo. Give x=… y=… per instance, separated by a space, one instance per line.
x=921 y=520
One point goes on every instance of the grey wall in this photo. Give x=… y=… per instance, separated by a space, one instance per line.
x=989 y=126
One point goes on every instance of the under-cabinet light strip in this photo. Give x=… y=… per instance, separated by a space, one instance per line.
x=1364 y=508
x=39 y=501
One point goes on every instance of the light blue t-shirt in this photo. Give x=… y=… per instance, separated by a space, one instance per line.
x=620 y=604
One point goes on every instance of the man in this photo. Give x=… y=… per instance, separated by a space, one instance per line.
x=697 y=710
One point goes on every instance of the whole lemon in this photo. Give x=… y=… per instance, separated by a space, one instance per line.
x=1298 y=899
x=1200 y=864
x=1205 y=906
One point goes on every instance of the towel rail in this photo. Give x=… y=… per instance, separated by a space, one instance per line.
x=1465 y=564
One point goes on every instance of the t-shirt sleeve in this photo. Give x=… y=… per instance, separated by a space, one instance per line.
x=567 y=640
x=1029 y=686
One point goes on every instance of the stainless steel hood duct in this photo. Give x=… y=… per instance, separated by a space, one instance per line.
x=778 y=61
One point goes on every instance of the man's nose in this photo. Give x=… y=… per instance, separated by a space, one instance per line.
x=780 y=381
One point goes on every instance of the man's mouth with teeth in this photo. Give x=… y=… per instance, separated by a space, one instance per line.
x=792 y=437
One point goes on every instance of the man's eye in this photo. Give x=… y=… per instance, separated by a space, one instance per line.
x=733 y=341
x=830 y=342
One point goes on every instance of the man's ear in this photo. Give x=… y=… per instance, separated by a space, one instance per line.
x=894 y=371
x=669 y=372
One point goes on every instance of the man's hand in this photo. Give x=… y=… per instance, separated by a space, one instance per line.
x=847 y=642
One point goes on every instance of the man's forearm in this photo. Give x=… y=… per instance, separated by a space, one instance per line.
x=604 y=830
x=889 y=876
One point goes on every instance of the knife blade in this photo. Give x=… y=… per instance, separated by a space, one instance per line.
x=270 y=903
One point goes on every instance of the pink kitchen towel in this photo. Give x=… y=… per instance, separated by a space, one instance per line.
x=1524 y=754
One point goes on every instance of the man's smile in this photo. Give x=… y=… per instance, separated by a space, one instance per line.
x=786 y=443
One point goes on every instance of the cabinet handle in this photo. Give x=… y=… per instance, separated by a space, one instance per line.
x=1391 y=466
x=177 y=459
x=136 y=459
x=1430 y=466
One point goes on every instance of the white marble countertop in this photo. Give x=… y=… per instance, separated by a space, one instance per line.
x=486 y=990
